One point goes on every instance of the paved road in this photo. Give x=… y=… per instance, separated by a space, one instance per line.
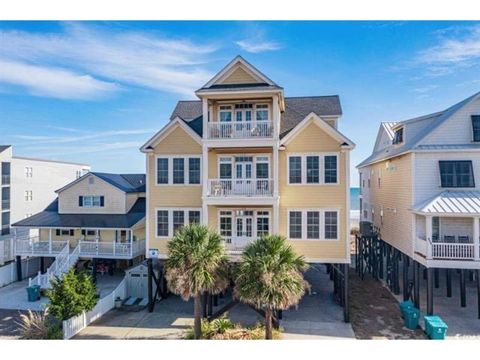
x=317 y=317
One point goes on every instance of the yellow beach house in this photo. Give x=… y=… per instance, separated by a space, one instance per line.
x=247 y=161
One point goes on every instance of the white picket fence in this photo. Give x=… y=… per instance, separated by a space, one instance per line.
x=74 y=325
x=8 y=273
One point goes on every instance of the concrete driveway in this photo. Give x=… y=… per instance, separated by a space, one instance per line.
x=317 y=317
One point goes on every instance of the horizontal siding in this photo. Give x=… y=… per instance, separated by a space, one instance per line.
x=239 y=76
x=395 y=196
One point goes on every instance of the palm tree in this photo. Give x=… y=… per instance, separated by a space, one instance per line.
x=270 y=277
x=196 y=265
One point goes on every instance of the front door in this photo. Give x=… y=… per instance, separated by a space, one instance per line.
x=244 y=230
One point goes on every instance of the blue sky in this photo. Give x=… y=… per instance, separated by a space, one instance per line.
x=94 y=92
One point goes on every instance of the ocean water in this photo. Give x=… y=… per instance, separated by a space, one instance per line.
x=354 y=198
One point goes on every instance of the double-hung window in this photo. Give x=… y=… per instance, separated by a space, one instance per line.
x=226 y=220
x=313 y=168
x=313 y=224
x=476 y=127
x=261 y=112
x=91 y=201
x=263 y=222
x=179 y=170
x=456 y=174
x=169 y=221
x=225 y=113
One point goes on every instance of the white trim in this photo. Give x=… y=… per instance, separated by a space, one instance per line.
x=167 y=130
x=321 y=168
x=347 y=206
x=312 y=117
x=186 y=172
x=254 y=221
x=321 y=212
x=170 y=211
x=147 y=205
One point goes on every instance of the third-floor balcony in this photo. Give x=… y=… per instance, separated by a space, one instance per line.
x=240 y=129
x=240 y=187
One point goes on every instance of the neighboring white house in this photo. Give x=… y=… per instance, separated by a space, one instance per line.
x=27 y=186
x=421 y=186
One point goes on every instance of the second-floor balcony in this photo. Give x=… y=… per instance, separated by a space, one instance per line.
x=240 y=187
x=240 y=130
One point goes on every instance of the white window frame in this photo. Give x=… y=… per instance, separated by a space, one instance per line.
x=262 y=109
x=28 y=171
x=170 y=219
x=255 y=216
x=92 y=205
x=321 y=224
x=28 y=195
x=222 y=159
x=227 y=108
x=186 y=172
x=321 y=168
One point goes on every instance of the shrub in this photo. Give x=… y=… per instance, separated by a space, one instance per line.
x=39 y=326
x=71 y=295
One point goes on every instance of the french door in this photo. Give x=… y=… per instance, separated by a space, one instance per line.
x=243 y=183
x=243 y=230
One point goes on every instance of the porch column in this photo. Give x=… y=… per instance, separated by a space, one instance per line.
x=476 y=240
x=131 y=241
x=205 y=188
x=50 y=240
x=114 y=241
x=428 y=235
x=429 y=291
x=97 y=235
x=205 y=117
x=275 y=171
x=275 y=215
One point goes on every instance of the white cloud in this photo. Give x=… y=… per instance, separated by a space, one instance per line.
x=254 y=46
x=456 y=48
x=121 y=57
x=53 y=82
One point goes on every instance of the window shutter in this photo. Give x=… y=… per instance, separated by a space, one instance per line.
x=102 y=201
x=71 y=232
x=84 y=232
x=80 y=201
x=57 y=232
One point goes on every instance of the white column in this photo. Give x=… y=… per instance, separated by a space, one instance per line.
x=50 y=240
x=205 y=117
x=275 y=220
x=428 y=235
x=205 y=214
x=275 y=174
x=476 y=240
x=275 y=117
x=205 y=191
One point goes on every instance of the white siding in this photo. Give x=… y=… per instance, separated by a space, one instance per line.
x=457 y=129
x=427 y=173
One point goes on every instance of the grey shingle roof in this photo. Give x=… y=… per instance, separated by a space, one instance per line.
x=51 y=218
x=296 y=109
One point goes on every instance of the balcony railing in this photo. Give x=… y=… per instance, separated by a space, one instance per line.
x=125 y=250
x=34 y=247
x=235 y=245
x=240 y=187
x=240 y=130
x=445 y=251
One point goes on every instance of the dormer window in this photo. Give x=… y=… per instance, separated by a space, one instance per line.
x=398 y=136
x=476 y=127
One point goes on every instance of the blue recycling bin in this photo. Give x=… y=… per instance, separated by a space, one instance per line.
x=33 y=293
x=404 y=305
x=412 y=317
x=435 y=327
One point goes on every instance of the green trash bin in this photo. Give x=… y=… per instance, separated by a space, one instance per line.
x=430 y=322
x=437 y=328
x=33 y=293
x=412 y=317
x=404 y=305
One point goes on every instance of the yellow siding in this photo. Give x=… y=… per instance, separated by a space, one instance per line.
x=314 y=139
x=239 y=76
x=178 y=142
x=115 y=199
x=395 y=195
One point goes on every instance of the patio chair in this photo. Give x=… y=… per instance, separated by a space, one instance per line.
x=450 y=239
x=464 y=239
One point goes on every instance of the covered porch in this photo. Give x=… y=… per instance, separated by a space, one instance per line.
x=448 y=227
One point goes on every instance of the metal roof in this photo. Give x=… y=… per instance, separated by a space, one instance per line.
x=452 y=203
x=51 y=218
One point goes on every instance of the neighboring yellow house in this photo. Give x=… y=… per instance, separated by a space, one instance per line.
x=247 y=161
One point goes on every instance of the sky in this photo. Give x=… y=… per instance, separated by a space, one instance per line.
x=94 y=92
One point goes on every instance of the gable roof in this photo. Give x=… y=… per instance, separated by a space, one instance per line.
x=4 y=147
x=128 y=183
x=51 y=218
x=296 y=109
x=263 y=83
x=412 y=142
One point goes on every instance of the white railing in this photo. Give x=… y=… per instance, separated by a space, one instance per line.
x=63 y=262
x=240 y=187
x=451 y=251
x=35 y=247
x=110 y=249
x=235 y=245
x=240 y=130
x=74 y=325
